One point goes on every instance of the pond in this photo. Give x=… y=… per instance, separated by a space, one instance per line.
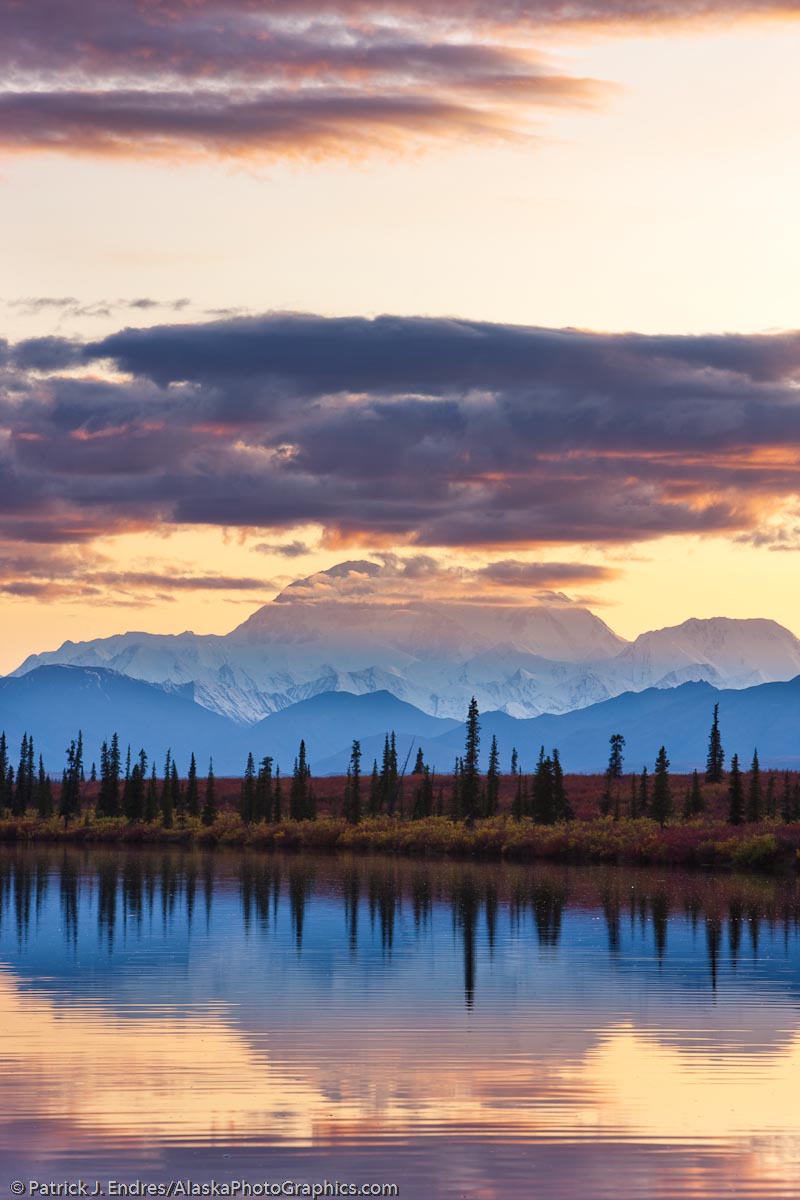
x=445 y=1029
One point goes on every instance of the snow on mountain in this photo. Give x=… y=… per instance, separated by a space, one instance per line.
x=722 y=651
x=524 y=660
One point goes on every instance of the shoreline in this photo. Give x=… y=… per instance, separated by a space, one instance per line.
x=769 y=846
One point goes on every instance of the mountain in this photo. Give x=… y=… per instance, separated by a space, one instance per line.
x=343 y=630
x=765 y=717
x=735 y=653
x=52 y=703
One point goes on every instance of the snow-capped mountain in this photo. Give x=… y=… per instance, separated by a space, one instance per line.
x=524 y=660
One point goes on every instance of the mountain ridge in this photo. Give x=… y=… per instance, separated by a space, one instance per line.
x=526 y=660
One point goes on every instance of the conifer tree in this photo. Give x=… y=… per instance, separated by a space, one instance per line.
x=264 y=798
x=375 y=790
x=419 y=763
x=514 y=761
x=543 y=806
x=192 y=790
x=662 y=793
x=70 y=803
x=5 y=799
x=519 y=805
x=108 y=792
x=470 y=777
x=301 y=801
x=455 y=793
x=754 y=791
x=770 y=801
x=277 y=803
x=735 y=793
x=353 y=796
x=178 y=799
x=644 y=793
x=167 y=793
x=93 y=775
x=633 y=805
x=247 y=806
x=610 y=798
x=44 y=793
x=562 y=806
x=135 y=794
x=696 y=803
x=716 y=755
x=19 y=799
x=492 y=780
x=151 y=799
x=209 y=815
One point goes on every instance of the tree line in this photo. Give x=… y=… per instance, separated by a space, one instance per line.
x=751 y=796
x=136 y=791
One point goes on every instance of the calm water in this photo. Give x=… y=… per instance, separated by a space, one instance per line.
x=457 y=1030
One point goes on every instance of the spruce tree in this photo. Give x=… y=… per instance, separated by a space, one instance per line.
x=353 y=802
x=151 y=799
x=419 y=763
x=70 y=802
x=770 y=801
x=662 y=794
x=44 y=793
x=633 y=804
x=514 y=761
x=519 y=805
x=277 y=804
x=210 y=800
x=696 y=801
x=178 y=799
x=100 y=806
x=455 y=793
x=301 y=802
x=247 y=805
x=492 y=780
x=754 y=791
x=5 y=799
x=716 y=755
x=735 y=793
x=644 y=793
x=543 y=791
x=562 y=806
x=264 y=797
x=470 y=778
x=375 y=790
x=19 y=799
x=192 y=790
x=167 y=793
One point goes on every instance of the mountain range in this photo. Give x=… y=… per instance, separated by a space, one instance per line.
x=523 y=660
x=53 y=702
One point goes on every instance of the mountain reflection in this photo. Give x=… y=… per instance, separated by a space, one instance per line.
x=158 y=1003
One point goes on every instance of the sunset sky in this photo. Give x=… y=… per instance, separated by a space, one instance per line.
x=504 y=293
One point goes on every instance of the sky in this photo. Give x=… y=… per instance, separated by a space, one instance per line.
x=500 y=295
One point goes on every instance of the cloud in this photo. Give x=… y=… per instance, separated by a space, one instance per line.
x=307 y=78
x=400 y=579
x=294 y=549
x=423 y=432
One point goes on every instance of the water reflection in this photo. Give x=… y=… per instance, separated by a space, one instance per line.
x=444 y=1025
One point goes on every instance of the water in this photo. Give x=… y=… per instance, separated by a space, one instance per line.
x=457 y=1030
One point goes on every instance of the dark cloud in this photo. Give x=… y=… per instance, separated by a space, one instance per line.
x=296 y=77
x=428 y=432
x=295 y=549
x=509 y=572
x=224 y=78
